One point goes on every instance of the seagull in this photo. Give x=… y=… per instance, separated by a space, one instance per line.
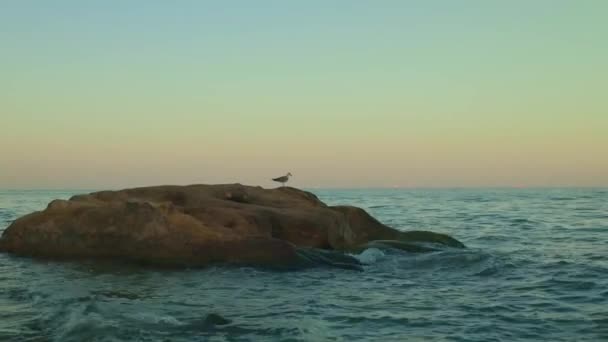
x=283 y=179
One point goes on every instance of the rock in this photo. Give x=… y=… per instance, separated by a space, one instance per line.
x=198 y=225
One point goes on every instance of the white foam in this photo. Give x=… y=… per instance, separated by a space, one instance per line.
x=370 y=255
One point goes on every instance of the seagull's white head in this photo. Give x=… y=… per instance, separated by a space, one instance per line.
x=289 y=174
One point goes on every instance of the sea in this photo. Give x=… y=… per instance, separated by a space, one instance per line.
x=536 y=269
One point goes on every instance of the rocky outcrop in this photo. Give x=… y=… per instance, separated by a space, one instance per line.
x=198 y=225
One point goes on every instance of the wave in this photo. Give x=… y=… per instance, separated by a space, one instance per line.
x=320 y=257
x=473 y=262
x=370 y=256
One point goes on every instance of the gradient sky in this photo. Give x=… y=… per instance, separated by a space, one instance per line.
x=97 y=94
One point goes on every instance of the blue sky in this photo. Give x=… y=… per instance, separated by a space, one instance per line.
x=340 y=93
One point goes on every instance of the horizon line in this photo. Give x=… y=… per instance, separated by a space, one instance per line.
x=310 y=187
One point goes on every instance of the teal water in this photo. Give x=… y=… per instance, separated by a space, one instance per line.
x=536 y=270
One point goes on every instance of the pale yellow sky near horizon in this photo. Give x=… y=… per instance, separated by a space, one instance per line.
x=376 y=94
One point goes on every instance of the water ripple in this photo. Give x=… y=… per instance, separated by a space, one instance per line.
x=535 y=270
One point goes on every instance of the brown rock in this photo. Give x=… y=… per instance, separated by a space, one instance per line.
x=197 y=225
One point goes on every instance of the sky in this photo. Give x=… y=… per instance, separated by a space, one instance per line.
x=120 y=93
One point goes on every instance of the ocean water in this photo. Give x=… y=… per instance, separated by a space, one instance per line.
x=536 y=269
